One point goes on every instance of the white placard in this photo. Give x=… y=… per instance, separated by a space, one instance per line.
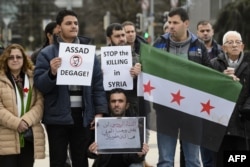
x=77 y=64
x=119 y=134
x=116 y=63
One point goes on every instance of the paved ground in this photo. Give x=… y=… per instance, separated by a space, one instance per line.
x=151 y=158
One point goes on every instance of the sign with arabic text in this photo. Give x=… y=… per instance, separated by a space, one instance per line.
x=119 y=134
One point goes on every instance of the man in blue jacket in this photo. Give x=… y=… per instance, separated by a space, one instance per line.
x=69 y=110
x=180 y=42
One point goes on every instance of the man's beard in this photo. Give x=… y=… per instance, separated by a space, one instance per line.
x=118 y=113
x=119 y=44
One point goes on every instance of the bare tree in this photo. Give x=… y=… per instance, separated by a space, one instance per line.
x=234 y=16
x=120 y=11
x=30 y=13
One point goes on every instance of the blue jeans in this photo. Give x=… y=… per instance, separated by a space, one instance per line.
x=208 y=157
x=167 y=146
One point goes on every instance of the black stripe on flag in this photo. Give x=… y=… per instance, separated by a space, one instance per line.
x=192 y=129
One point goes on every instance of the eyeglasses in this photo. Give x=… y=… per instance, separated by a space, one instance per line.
x=237 y=42
x=12 y=57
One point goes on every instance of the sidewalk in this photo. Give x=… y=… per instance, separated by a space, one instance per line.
x=151 y=158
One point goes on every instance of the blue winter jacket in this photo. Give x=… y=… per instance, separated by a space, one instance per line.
x=57 y=108
x=197 y=51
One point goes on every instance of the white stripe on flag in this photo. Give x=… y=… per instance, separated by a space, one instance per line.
x=191 y=104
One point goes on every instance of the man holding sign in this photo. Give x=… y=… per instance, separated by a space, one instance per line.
x=118 y=55
x=118 y=105
x=69 y=109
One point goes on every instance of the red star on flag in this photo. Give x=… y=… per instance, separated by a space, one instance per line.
x=206 y=107
x=177 y=97
x=148 y=88
x=25 y=90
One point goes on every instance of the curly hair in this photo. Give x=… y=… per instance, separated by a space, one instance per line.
x=27 y=63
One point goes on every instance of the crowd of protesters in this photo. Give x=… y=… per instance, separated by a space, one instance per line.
x=30 y=96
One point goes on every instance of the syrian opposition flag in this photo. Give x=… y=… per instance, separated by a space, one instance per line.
x=186 y=99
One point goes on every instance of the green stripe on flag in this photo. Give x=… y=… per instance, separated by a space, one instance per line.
x=171 y=67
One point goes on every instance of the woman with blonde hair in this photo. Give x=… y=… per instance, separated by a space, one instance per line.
x=22 y=137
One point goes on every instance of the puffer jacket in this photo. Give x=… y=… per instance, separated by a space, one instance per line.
x=9 y=119
x=57 y=108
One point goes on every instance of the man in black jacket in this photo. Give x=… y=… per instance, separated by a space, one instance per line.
x=116 y=36
x=134 y=41
x=205 y=33
x=118 y=105
x=235 y=63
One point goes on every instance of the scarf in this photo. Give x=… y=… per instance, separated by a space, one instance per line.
x=23 y=95
x=235 y=65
